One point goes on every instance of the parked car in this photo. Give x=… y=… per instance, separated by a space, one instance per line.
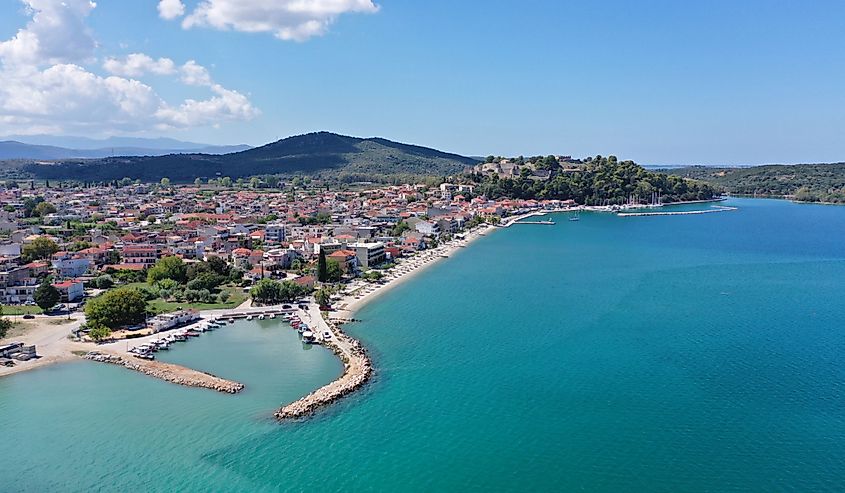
x=29 y=316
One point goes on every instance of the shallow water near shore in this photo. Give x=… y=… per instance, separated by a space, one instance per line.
x=683 y=353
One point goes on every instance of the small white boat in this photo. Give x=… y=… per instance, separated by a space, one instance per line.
x=249 y=317
x=308 y=337
x=261 y=317
x=272 y=315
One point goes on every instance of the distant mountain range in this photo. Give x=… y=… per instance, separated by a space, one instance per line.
x=320 y=153
x=44 y=147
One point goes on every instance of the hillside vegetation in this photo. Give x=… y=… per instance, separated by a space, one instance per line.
x=803 y=182
x=348 y=158
x=596 y=181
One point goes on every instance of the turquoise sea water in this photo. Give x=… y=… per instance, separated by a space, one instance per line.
x=686 y=353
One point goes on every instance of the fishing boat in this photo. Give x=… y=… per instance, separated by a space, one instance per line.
x=272 y=315
x=308 y=337
x=261 y=317
x=249 y=317
x=192 y=333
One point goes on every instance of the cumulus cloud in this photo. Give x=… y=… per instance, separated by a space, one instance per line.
x=225 y=105
x=57 y=33
x=171 y=9
x=67 y=97
x=45 y=87
x=139 y=64
x=295 y=20
x=194 y=74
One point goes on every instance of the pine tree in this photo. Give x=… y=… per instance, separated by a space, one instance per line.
x=322 y=267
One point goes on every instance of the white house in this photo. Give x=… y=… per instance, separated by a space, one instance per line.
x=71 y=267
x=427 y=227
x=167 y=321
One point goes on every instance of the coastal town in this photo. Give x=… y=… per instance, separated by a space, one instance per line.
x=66 y=247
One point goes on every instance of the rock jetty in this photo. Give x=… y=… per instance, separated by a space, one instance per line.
x=357 y=371
x=169 y=372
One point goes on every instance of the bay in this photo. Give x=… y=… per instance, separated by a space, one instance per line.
x=675 y=353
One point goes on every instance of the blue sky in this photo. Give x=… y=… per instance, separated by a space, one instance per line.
x=660 y=82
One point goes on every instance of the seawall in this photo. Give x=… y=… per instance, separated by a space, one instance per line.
x=356 y=372
x=169 y=372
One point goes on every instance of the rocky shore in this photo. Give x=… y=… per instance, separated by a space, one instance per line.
x=357 y=371
x=169 y=372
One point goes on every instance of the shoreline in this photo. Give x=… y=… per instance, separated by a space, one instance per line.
x=404 y=270
x=358 y=368
x=357 y=371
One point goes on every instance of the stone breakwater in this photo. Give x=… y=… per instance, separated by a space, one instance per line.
x=357 y=371
x=170 y=373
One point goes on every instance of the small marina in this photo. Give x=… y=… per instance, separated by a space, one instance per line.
x=303 y=317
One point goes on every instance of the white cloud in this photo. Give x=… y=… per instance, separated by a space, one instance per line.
x=57 y=33
x=67 y=96
x=194 y=74
x=138 y=64
x=171 y=9
x=45 y=87
x=295 y=20
x=225 y=105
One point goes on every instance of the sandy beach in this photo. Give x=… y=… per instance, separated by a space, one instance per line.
x=50 y=337
x=361 y=292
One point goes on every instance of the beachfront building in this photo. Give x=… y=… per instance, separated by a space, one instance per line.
x=368 y=254
x=347 y=259
x=431 y=228
x=167 y=321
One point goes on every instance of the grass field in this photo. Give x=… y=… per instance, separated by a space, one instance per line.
x=159 y=305
x=20 y=310
x=236 y=297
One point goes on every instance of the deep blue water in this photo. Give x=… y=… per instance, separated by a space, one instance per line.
x=684 y=353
